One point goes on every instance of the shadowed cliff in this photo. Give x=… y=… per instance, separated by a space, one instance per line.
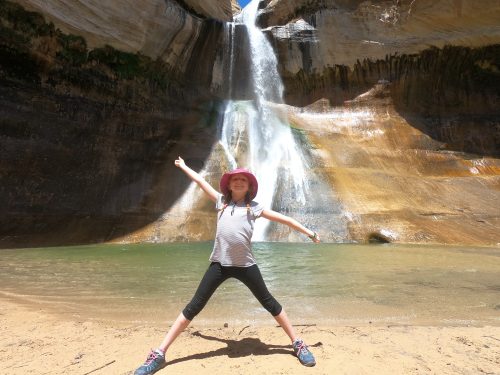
x=451 y=94
x=88 y=136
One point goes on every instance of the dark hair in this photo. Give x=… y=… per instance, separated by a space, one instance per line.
x=229 y=197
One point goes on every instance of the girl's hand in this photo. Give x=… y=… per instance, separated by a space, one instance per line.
x=292 y=223
x=179 y=162
x=315 y=237
x=196 y=177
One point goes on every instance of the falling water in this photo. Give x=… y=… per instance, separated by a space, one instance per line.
x=225 y=137
x=254 y=135
x=230 y=31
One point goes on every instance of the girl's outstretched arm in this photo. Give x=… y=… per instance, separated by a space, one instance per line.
x=292 y=223
x=205 y=186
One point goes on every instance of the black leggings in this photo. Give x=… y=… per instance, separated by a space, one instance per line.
x=217 y=274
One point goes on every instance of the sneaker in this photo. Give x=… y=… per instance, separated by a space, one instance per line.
x=303 y=353
x=154 y=362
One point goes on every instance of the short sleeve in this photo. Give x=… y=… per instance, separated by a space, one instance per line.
x=219 y=203
x=257 y=209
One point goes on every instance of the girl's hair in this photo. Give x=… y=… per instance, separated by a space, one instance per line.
x=229 y=197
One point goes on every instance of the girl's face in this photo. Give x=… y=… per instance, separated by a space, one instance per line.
x=239 y=185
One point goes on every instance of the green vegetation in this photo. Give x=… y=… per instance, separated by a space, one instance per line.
x=74 y=49
x=34 y=51
x=23 y=21
x=125 y=65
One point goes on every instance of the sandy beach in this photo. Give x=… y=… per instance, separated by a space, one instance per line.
x=33 y=341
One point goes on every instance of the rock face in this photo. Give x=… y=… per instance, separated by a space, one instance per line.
x=312 y=36
x=396 y=182
x=354 y=29
x=450 y=93
x=438 y=180
x=160 y=28
x=398 y=102
x=88 y=135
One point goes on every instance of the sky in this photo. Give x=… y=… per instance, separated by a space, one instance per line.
x=243 y=3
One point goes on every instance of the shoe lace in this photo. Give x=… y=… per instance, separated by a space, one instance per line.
x=302 y=348
x=151 y=357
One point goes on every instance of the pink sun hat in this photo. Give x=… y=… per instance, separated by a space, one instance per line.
x=252 y=180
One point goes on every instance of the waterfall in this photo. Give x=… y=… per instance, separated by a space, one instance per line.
x=254 y=135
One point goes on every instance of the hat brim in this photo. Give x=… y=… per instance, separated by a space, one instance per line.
x=226 y=177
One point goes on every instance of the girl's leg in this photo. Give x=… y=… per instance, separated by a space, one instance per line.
x=284 y=322
x=209 y=283
x=179 y=325
x=182 y=322
x=252 y=278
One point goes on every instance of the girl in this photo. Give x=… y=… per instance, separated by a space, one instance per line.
x=232 y=257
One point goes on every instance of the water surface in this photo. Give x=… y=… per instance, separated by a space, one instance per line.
x=317 y=284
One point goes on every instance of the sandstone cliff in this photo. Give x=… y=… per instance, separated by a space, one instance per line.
x=340 y=49
x=343 y=31
x=438 y=62
x=88 y=132
x=146 y=27
x=96 y=101
x=312 y=36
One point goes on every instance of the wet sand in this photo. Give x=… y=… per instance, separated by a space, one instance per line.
x=33 y=341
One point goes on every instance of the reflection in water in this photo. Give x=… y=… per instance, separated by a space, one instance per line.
x=317 y=284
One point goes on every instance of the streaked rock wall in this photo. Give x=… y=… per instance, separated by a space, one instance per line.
x=89 y=132
x=155 y=28
x=337 y=50
x=312 y=36
x=401 y=100
x=397 y=183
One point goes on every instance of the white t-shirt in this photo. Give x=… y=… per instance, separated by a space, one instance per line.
x=235 y=225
